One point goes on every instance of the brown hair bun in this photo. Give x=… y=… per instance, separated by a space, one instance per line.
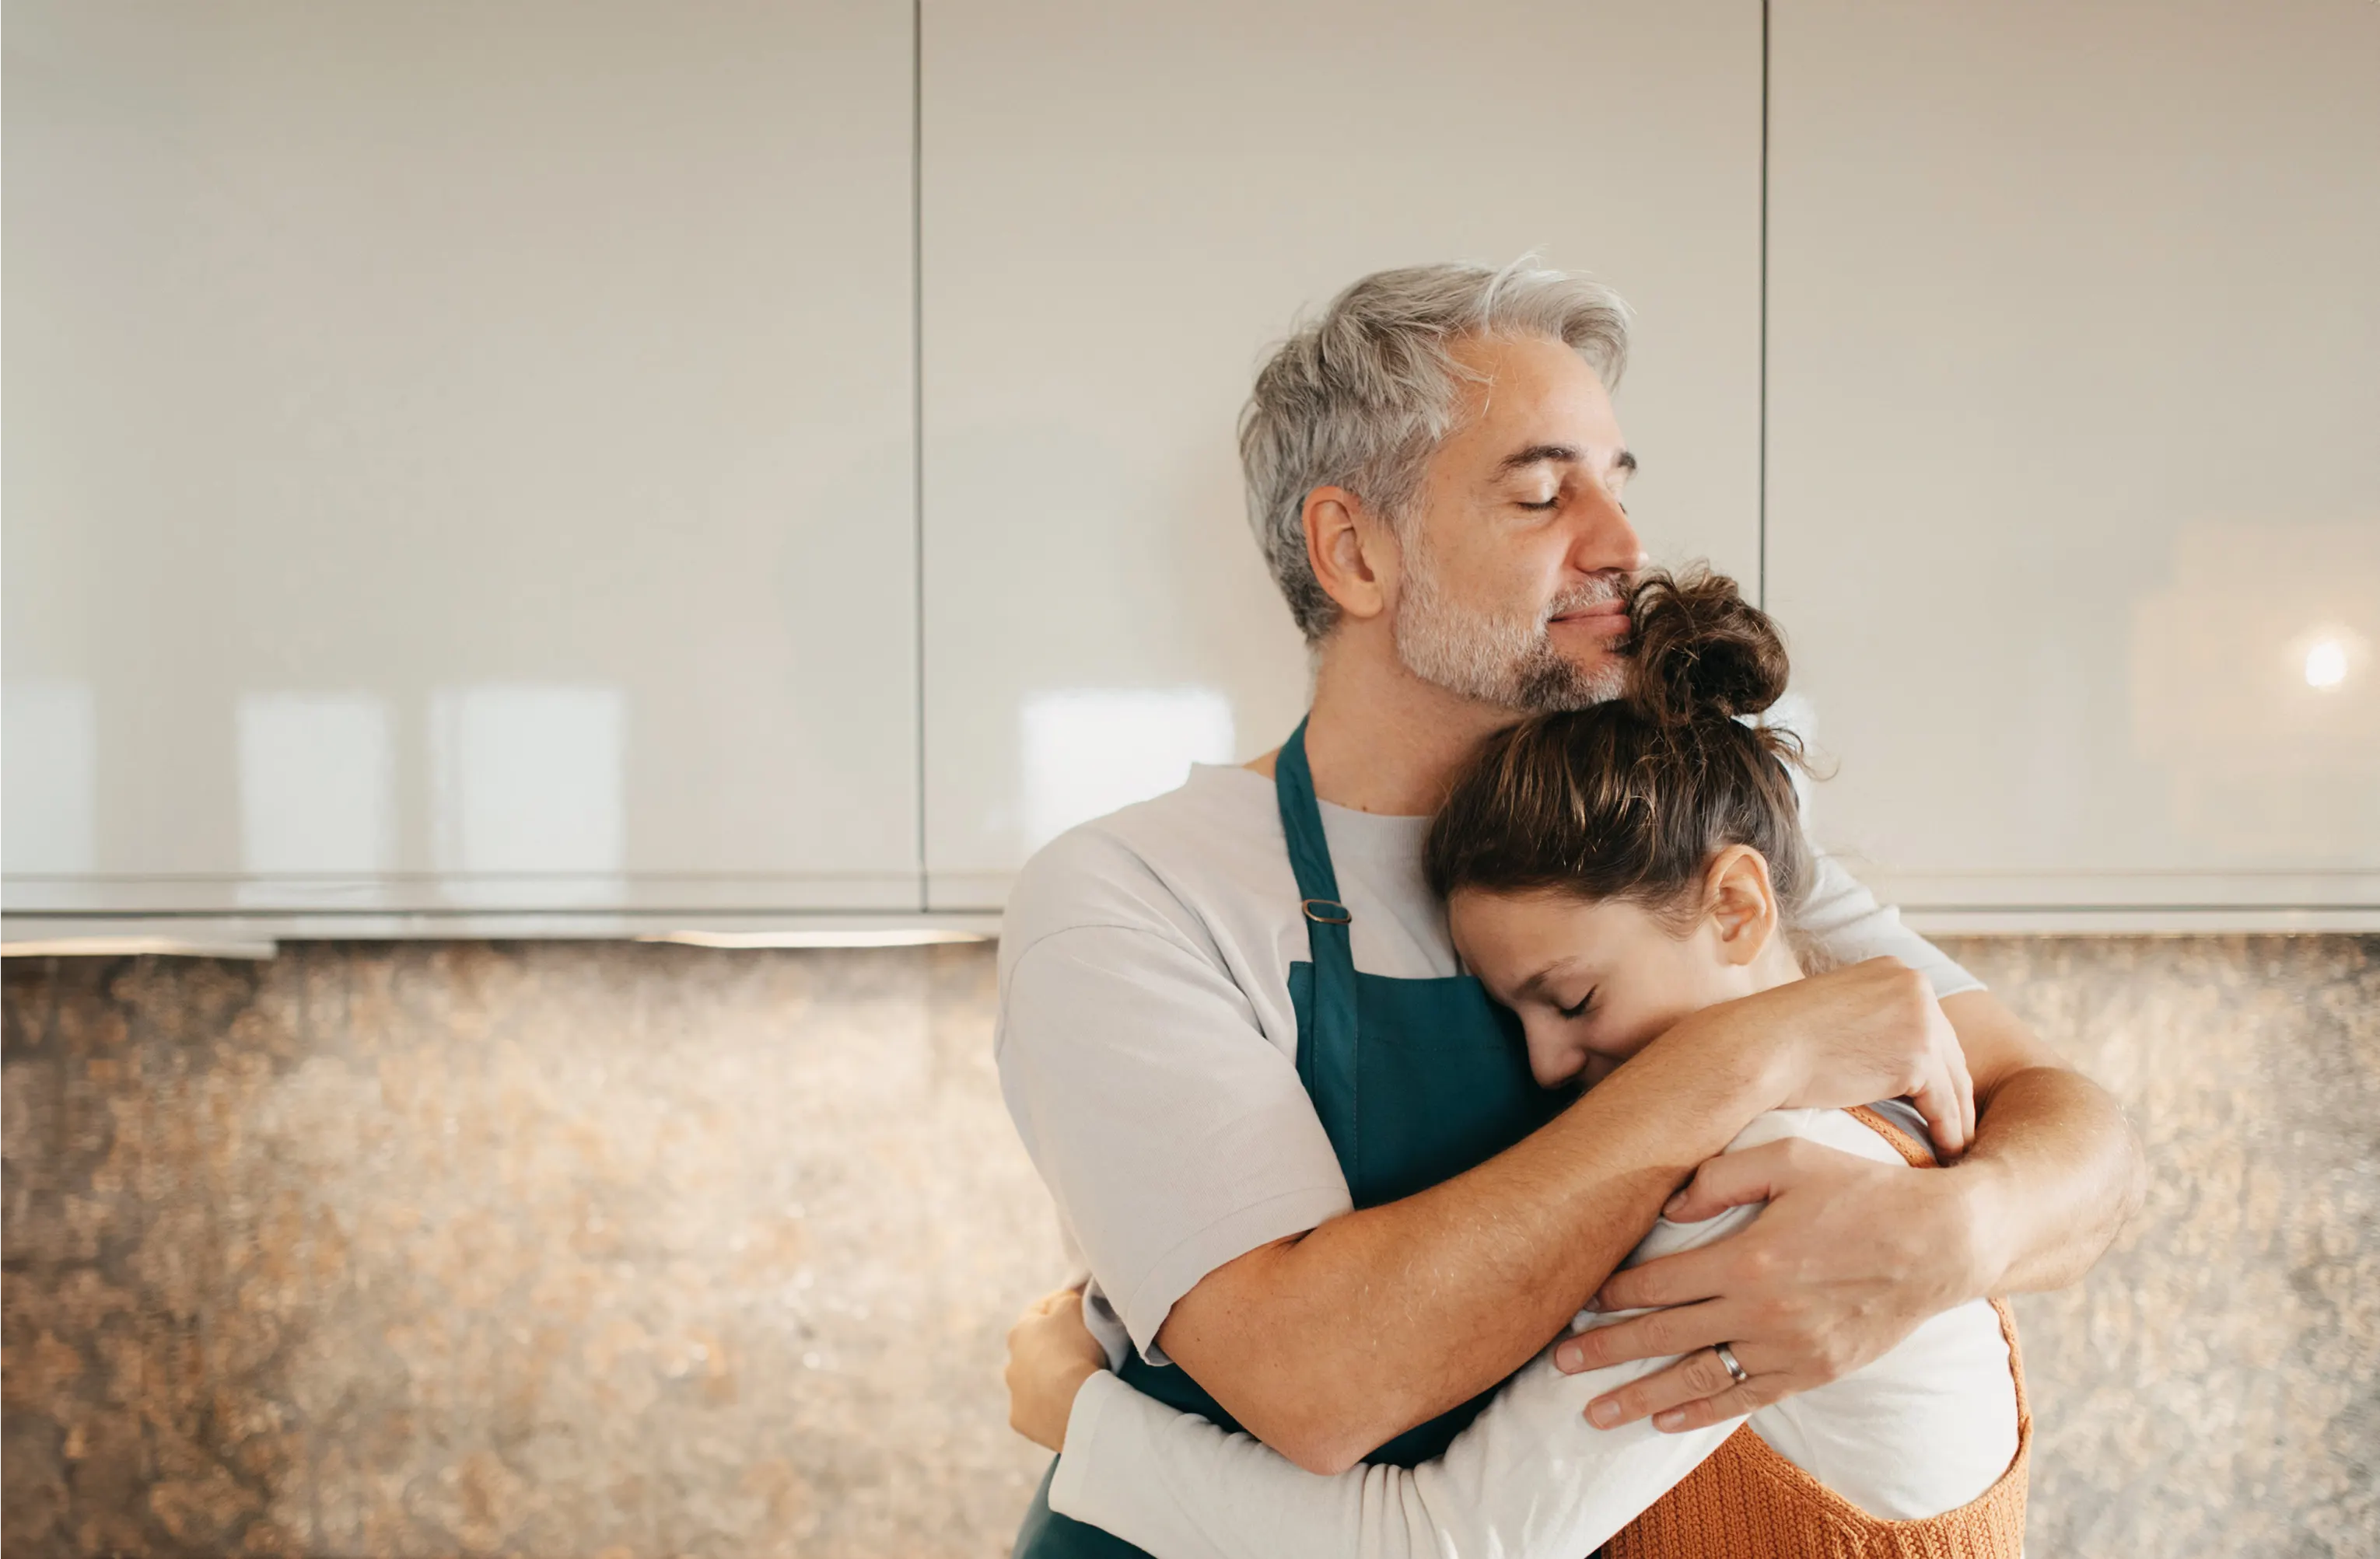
x=1629 y=799
x=1702 y=652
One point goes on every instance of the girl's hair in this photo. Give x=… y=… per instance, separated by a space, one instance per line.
x=1631 y=798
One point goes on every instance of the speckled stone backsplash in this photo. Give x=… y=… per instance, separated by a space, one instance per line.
x=615 y=1251
x=549 y=1249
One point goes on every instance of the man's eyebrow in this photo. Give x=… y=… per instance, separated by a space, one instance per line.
x=1566 y=454
x=1536 y=454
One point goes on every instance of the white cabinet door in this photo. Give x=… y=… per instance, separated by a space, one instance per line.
x=2074 y=483
x=1124 y=204
x=460 y=457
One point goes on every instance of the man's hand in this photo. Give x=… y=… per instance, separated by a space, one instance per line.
x=1845 y=1261
x=1850 y=1255
x=1050 y=1354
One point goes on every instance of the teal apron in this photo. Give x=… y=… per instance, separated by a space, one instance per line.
x=1416 y=1080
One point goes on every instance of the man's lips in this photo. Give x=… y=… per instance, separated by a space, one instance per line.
x=1604 y=617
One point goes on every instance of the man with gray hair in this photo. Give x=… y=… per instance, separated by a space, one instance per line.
x=1313 y=1192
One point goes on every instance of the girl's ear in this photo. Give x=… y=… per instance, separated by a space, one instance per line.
x=1743 y=903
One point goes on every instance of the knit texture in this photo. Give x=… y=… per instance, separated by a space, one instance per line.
x=1748 y=1502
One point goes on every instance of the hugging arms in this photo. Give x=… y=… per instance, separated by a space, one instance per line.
x=1927 y=1443
x=1328 y=1343
x=1929 y=1429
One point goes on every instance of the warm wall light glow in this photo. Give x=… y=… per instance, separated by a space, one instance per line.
x=2325 y=663
x=897 y=936
x=126 y=947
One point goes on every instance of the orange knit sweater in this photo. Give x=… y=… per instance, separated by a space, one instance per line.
x=1747 y=1502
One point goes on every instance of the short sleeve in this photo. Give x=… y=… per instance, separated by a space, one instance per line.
x=1848 y=923
x=1174 y=1136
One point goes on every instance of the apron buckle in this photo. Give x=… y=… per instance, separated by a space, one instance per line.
x=1344 y=917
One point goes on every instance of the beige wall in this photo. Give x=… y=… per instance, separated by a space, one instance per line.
x=599 y=1249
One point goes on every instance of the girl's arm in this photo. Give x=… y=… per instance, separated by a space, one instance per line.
x=1527 y=1478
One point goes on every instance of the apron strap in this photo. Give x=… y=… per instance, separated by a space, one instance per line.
x=1326 y=1063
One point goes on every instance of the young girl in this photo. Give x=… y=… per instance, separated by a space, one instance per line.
x=1606 y=871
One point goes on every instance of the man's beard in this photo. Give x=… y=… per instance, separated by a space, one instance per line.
x=1509 y=660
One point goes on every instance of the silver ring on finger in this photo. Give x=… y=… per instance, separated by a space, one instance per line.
x=1727 y=1357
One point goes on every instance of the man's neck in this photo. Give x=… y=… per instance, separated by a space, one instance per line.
x=1381 y=740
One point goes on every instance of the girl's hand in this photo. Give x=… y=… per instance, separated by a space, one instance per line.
x=1873 y=1031
x=1050 y=1354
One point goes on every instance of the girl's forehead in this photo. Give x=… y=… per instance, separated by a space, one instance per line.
x=1532 y=923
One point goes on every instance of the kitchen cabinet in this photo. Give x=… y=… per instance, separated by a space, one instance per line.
x=2074 y=500
x=1124 y=205
x=592 y=469
x=460 y=459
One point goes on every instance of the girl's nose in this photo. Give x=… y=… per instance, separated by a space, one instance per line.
x=1554 y=1061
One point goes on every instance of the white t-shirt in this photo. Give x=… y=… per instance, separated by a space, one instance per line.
x=1147 y=1044
x=1925 y=1429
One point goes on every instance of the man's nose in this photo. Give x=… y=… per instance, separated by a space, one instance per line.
x=1607 y=539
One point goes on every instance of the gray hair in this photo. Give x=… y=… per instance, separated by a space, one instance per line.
x=1360 y=397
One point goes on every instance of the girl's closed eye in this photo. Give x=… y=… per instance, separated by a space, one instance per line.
x=1578 y=1008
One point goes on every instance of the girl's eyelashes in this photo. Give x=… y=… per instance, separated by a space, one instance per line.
x=1578 y=1010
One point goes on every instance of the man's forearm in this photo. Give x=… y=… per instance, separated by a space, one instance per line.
x=2054 y=1174
x=2055 y=1170
x=1385 y=1317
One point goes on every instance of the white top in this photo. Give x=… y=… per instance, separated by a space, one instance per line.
x=1147 y=1044
x=1925 y=1429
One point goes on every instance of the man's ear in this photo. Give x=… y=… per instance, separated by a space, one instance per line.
x=1743 y=903
x=1351 y=552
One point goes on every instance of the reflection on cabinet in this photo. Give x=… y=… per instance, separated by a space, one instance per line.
x=2073 y=493
x=1124 y=205
x=459 y=458
x=464 y=462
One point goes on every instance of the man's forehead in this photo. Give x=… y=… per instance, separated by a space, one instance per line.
x=1536 y=393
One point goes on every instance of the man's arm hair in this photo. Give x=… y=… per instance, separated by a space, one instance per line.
x=2057 y=1170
